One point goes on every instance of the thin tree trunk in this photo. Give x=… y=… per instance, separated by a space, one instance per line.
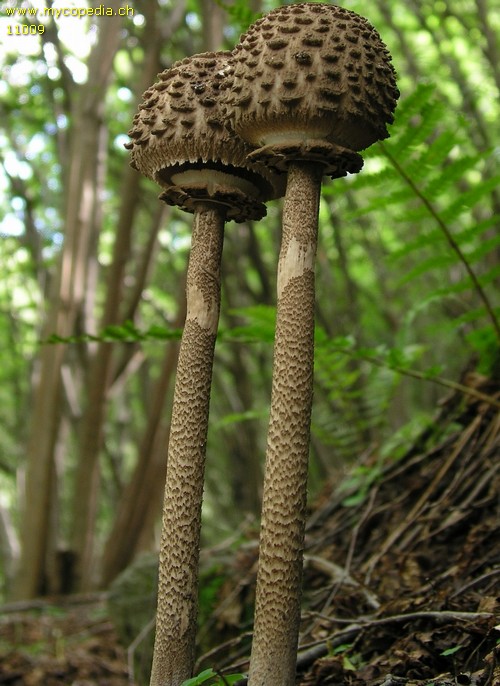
x=9 y=546
x=138 y=502
x=90 y=120
x=213 y=23
x=86 y=488
x=277 y=613
x=67 y=298
x=176 y=618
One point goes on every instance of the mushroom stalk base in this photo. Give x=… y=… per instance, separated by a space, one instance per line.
x=176 y=618
x=279 y=580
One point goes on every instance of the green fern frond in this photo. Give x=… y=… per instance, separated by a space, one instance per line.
x=463 y=285
x=451 y=173
x=419 y=132
x=474 y=315
x=428 y=238
x=466 y=201
x=240 y=12
x=416 y=118
x=433 y=262
x=397 y=197
x=437 y=153
x=483 y=249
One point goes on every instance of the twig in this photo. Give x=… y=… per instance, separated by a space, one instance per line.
x=474 y=582
x=440 y=616
x=421 y=376
x=227 y=644
x=354 y=536
x=341 y=576
x=42 y=603
x=441 y=381
x=312 y=651
x=242 y=583
x=132 y=647
x=423 y=500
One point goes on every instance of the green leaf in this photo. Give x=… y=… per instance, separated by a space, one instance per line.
x=208 y=676
x=341 y=648
x=485 y=343
x=451 y=651
x=237 y=417
x=240 y=12
x=259 y=326
x=233 y=678
x=162 y=333
x=347 y=664
x=202 y=678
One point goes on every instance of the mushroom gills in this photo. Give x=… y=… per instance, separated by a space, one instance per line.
x=212 y=179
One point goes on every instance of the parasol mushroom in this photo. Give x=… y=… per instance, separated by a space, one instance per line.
x=312 y=85
x=181 y=139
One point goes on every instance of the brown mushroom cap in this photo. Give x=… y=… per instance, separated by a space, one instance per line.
x=182 y=139
x=312 y=71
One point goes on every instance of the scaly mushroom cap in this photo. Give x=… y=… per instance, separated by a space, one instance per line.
x=181 y=138
x=312 y=71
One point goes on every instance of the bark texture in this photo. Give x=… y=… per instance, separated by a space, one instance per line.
x=277 y=614
x=179 y=551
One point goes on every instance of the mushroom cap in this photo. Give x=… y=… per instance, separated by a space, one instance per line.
x=181 y=138
x=312 y=71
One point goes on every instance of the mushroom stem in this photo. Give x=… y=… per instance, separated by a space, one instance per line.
x=277 y=613
x=174 y=648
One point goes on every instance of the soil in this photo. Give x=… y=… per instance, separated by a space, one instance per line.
x=401 y=578
x=71 y=642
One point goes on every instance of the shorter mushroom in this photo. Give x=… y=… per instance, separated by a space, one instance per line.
x=181 y=140
x=312 y=85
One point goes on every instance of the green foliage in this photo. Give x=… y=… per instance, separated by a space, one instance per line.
x=451 y=651
x=116 y=333
x=212 y=678
x=485 y=343
x=424 y=159
x=259 y=324
x=211 y=581
x=240 y=12
x=359 y=482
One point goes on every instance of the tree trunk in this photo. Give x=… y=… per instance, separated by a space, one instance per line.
x=86 y=489
x=137 y=507
x=68 y=296
x=86 y=485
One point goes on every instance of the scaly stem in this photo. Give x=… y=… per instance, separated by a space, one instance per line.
x=176 y=617
x=279 y=580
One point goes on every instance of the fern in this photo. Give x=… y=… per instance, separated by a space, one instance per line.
x=465 y=200
x=465 y=236
x=437 y=195
x=470 y=198
x=240 y=13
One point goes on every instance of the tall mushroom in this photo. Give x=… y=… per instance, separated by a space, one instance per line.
x=312 y=85
x=181 y=139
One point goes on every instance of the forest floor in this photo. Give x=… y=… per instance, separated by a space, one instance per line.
x=401 y=579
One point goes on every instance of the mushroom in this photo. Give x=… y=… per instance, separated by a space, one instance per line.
x=181 y=139
x=312 y=85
